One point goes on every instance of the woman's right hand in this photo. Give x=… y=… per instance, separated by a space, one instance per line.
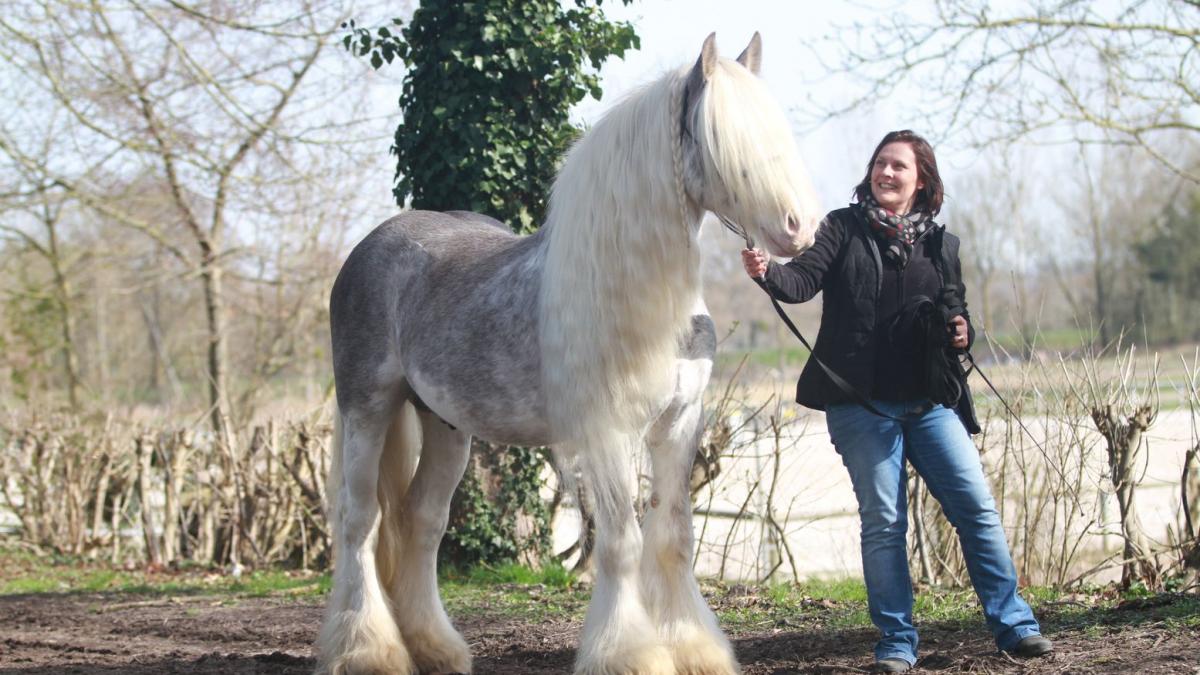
x=755 y=262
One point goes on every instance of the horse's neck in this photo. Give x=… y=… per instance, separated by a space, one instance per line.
x=639 y=270
x=615 y=303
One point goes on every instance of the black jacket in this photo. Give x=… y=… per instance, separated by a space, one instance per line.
x=845 y=263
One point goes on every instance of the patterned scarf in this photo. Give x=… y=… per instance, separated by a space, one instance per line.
x=896 y=233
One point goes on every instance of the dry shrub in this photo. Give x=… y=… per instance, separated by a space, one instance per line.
x=98 y=486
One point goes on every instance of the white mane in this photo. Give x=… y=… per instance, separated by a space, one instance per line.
x=621 y=274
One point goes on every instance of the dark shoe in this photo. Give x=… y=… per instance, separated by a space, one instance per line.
x=1034 y=645
x=891 y=665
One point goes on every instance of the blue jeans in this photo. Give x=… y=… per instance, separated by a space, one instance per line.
x=873 y=449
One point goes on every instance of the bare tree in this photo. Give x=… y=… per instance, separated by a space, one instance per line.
x=1058 y=70
x=987 y=208
x=222 y=109
x=34 y=217
x=231 y=137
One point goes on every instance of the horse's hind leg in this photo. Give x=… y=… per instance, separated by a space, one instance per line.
x=435 y=645
x=618 y=636
x=685 y=623
x=359 y=635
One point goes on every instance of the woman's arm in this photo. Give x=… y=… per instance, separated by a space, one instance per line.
x=802 y=277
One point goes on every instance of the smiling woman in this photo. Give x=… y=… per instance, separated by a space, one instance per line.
x=875 y=261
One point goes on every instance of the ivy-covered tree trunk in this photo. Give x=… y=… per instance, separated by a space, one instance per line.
x=498 y=513
x=486 y=103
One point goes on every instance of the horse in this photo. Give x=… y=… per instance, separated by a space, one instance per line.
x=590 y=335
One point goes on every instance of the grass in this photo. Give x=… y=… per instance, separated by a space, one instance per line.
x=791 y=357
x=1058 y=339
x=24 y=572
x=516 y=591
x=522 y=594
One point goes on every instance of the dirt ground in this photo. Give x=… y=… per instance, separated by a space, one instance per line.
x=94 y=633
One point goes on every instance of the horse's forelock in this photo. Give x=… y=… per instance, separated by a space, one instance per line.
x=750 y=147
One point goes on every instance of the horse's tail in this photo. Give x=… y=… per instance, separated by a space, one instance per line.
x=396 y=467
x=333 y=486
x=397 y=464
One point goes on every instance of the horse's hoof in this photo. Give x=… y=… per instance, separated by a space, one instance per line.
x=647 y=660
x=705 y=657
x=377 y=661
x=355 y=643
x=444 y=654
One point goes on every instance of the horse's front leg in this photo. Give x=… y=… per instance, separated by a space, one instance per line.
x=359 y=635
x=685 y=622
x=618 y=636
x=435 y=645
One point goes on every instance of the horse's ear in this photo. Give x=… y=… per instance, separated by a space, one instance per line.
x=701 y=72
x=751 y=56
x=706 y=64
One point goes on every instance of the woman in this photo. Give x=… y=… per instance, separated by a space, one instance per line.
x=872 y=259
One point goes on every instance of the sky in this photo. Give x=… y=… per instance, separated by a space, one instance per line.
x=796 y=38
x=672 y=32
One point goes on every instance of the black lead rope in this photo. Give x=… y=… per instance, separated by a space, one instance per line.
x=837 y=380
x=975 y=367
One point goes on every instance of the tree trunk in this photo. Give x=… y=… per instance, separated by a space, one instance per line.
x=67 y=329
x=145 y=451
x=1124 y=437
x=175 y=462
x=218 y=396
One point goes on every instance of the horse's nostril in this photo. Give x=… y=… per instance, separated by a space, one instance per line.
x=793 y=225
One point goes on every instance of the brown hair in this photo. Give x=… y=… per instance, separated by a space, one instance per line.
x=928 y=198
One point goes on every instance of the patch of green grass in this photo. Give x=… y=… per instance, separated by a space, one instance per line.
x=1036 y=595
x=837 y=590
x=276 y=582
x=763 y=358
x=947 y=606
x=25 y=572
x=514 y=590
x=28 y=585
x=1057 y=339
x=838 y=603
x=552 y=575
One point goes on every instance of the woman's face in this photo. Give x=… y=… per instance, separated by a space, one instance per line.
x=894 y=178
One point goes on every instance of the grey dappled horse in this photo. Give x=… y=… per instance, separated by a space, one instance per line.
x=590 y=335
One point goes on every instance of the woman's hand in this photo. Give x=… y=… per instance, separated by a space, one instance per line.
x=958 y=332
x=755 y=262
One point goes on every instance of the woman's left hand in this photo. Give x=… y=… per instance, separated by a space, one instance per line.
x=958 y=332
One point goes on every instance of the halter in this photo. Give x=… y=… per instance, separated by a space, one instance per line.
x=685 y=133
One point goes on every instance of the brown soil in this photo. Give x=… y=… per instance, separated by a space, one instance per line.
x=90 y=634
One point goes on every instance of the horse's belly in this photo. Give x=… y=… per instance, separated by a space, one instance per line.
x=480 y=405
